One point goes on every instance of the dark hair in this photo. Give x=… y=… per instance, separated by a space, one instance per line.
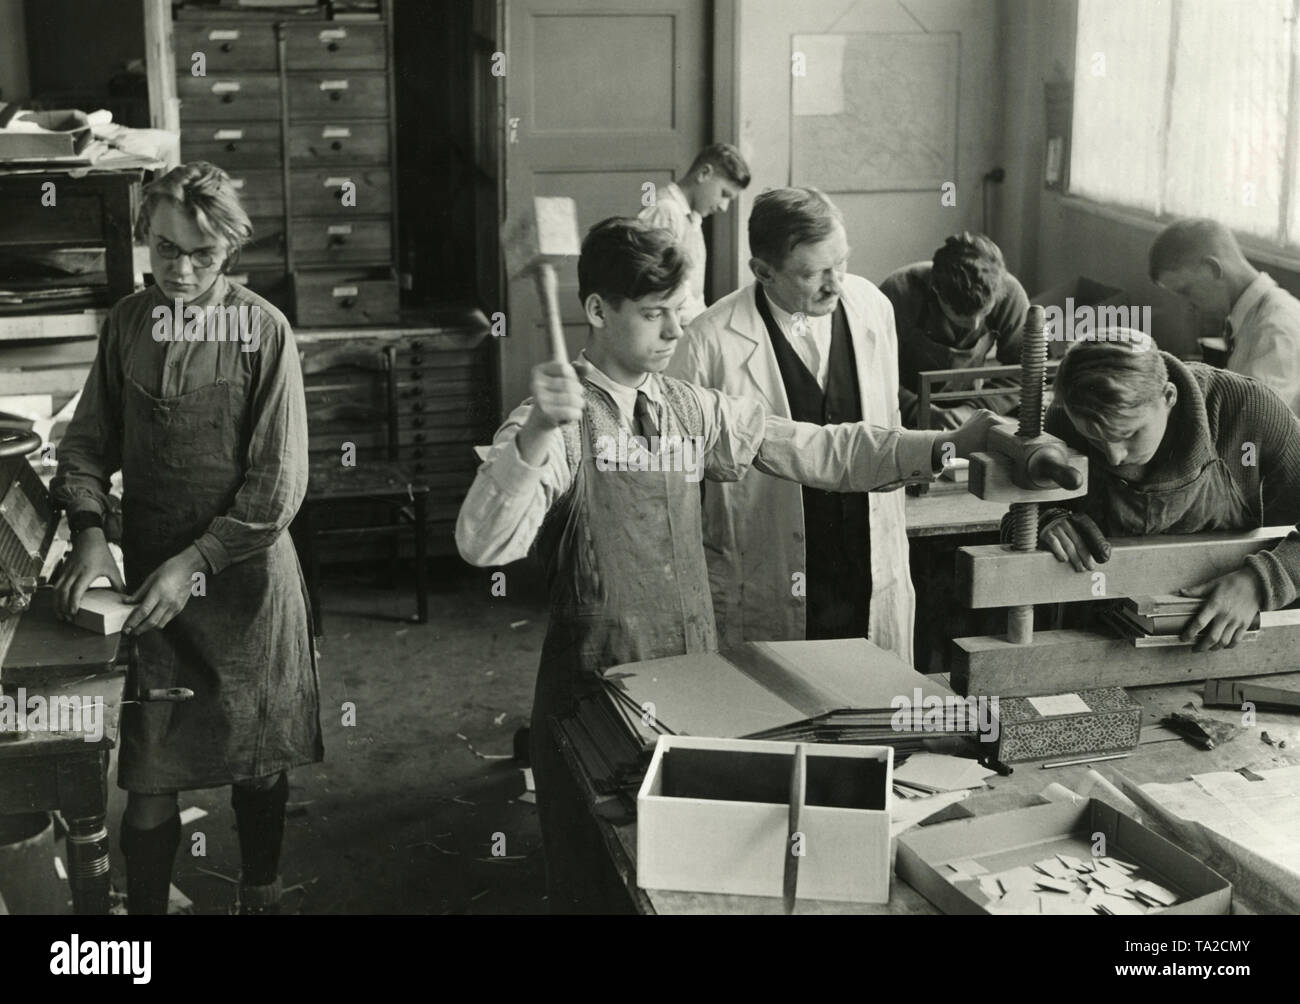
x=1186 y=242
x=725 y=158
x=784 y=218
x=968 y=272
x=626 y=259
x=1119 y=372
x=207 y=192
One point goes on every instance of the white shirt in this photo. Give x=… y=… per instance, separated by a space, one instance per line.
x=1264 y=328
x=810 y=339
x=672 y=211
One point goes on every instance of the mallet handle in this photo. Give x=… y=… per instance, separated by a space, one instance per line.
x=548 y=294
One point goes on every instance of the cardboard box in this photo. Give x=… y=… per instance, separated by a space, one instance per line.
x=713 y=816
x=1010 y=839
x=1083 y=723
x=69 y=136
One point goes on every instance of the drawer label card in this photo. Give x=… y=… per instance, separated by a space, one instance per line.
x=339 y=228
x=333 y=85
x=335 y=132
x=333 y=34
x=345 y=291
x=236 y=182
x=223 y=35
x=337 y=182
x=228 y=134
x=225 y=86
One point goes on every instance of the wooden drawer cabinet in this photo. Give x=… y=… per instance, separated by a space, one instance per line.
x=236 y=97
x=320 y=241
x=234 y=144
x=293 y=108
x=338 y=143
x=334 y=95
x=226 y=48
x=337 y=46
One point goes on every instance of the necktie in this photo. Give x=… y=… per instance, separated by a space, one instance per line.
x=645 y=417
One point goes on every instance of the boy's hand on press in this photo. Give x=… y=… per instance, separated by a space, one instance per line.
x=164 y=593
x=557 y=395
x=89 y=560
x=1233 y=601
x=1075 y=538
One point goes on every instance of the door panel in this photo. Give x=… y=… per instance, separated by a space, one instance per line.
x=606 y=100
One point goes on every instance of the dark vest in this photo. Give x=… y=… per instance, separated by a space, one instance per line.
x=837 y=526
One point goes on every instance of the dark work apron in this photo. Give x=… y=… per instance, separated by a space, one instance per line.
x=628 y=581
x=245 y=648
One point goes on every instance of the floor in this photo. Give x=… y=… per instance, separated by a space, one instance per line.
x=417 y=807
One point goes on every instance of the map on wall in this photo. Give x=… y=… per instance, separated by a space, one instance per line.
x=874 y=112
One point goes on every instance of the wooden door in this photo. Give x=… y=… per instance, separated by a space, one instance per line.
x=601 y=97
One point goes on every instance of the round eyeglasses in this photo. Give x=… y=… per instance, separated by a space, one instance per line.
x=201 y=259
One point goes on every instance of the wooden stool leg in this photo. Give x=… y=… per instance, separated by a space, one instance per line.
x=421 y=543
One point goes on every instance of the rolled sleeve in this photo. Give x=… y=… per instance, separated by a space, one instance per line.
x=509 y=499
x=90 y=452
x=1279 y=572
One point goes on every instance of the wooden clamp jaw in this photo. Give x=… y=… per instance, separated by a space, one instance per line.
x=1027 y=469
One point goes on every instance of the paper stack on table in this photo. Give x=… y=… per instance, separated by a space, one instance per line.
x=1066 y=884
x=930 y=773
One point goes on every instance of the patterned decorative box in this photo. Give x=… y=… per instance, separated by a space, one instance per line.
x=1083 y=723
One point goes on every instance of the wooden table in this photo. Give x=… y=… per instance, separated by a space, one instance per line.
x=1166 y=760
x=64 y=770
x=948 y=509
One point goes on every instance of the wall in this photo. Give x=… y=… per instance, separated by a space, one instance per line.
x=13 y=52
x=1053 y=238
x=886 y=229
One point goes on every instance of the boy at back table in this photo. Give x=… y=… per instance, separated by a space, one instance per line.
x=600 y=471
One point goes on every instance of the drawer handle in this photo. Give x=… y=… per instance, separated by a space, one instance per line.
x=418 y=406
x=333 y=47
x=419 y=437
x=416 y=359
x=336 y=145
x=417 y=453
x=347 y=303
x=337 y=240
x=336 y=95
x=417 y=422
x=226 y=47
x=227 y=98
x=231 y=147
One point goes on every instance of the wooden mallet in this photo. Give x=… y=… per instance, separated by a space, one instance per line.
x=543 y=233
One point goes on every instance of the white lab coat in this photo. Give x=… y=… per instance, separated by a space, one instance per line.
x=753 y=529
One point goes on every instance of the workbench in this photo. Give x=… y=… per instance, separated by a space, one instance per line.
x=1166 y=760
x=46 y=771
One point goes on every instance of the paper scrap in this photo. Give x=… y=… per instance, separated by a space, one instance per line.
x=1059 y=704
x=190 y=814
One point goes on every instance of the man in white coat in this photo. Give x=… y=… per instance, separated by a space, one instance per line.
x=814 y=343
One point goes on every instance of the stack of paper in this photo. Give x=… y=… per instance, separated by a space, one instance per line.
x=930 y=773
x=1065 y=884
x=846 y=691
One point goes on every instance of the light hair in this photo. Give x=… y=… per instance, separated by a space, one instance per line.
x=1118 y=374
x=208 y=194
x=1187 y=242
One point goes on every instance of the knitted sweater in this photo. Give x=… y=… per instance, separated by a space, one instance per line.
x=1217 y=414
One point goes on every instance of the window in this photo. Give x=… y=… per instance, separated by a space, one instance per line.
x=1190 y=108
